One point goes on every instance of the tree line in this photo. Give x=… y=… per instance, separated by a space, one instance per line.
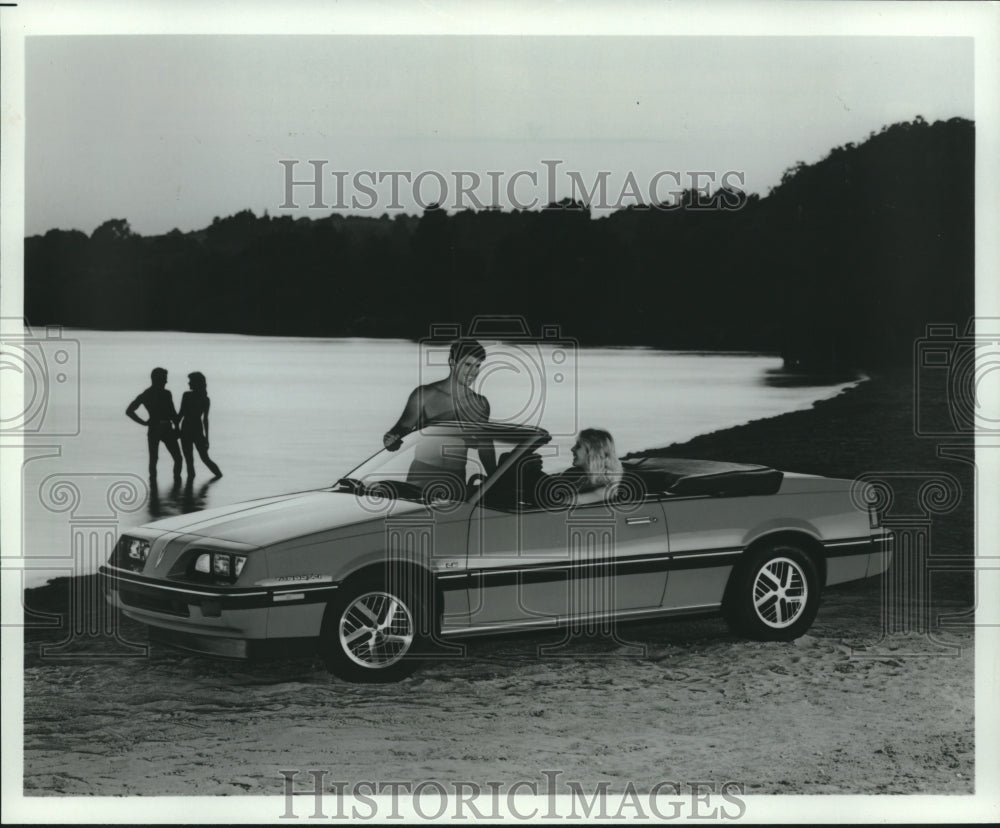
x=843 y=264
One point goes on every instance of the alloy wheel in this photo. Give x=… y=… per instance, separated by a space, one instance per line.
x=376 y=630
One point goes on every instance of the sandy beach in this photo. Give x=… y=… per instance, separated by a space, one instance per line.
x=858 y=705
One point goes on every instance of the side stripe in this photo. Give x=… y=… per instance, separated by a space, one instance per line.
x=571 y=570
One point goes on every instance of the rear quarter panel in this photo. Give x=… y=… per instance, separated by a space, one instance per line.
x=818 y=508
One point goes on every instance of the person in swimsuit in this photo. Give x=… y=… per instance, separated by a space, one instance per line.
x=161 y=418
x=193 y=421
x=451 y=398
x=448 y=399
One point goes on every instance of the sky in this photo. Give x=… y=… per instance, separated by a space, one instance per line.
x=171 y=131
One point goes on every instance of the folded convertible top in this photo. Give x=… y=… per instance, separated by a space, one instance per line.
x=681 y=476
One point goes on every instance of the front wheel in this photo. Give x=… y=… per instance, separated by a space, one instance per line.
x=773 y=595
x=370 y=633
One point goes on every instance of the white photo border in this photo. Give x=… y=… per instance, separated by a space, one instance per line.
x=745 y=19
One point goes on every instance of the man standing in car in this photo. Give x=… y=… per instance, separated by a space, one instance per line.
x=448 y=399
x=160 y=423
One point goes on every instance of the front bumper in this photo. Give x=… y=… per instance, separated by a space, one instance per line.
x=231 y=622
x=238 y=648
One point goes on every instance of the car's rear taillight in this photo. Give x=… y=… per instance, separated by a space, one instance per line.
x=874 y=517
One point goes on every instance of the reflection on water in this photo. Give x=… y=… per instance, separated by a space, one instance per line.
x=177 y=499
x=791 y=378
x=290 y=414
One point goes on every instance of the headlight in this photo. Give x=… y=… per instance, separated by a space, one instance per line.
x=130 y=553
x=138 y=550
x=219 y=566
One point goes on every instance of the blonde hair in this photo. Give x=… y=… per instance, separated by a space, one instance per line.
x=600 y=460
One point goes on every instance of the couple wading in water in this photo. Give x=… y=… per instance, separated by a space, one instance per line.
x=165 y=425
x=595 y=464
x=595 y=469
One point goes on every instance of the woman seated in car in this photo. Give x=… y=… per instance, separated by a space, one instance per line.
x=594 y=475
x=596 y=469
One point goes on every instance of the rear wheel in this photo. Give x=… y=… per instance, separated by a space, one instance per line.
x=774 y=594
x=371 y=632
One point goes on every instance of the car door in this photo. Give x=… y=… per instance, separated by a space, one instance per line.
x=529 y=566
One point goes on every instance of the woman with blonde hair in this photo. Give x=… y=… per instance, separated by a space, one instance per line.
x=596 y=473
x=594 y=455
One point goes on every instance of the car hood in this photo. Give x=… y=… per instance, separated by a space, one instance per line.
x=270 y=520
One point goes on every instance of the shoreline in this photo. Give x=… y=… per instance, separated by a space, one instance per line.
x=694 y=350
x=866 y=428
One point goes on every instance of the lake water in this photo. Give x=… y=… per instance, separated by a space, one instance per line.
x=292 y=413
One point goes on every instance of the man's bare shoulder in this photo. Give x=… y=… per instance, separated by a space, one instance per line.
x=438 y=387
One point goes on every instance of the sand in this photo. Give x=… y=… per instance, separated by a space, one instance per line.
x=851 y=707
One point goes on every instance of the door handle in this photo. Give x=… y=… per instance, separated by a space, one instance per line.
x=636 y=521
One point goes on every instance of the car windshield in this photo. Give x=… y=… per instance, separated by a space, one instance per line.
x=436 y=463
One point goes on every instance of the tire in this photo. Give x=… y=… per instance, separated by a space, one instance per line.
x=372 y=631
x=774 y=594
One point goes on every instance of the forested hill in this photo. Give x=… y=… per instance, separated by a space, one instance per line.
x=844 y=263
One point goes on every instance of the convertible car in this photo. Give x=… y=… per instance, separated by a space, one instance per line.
x=461 y=530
